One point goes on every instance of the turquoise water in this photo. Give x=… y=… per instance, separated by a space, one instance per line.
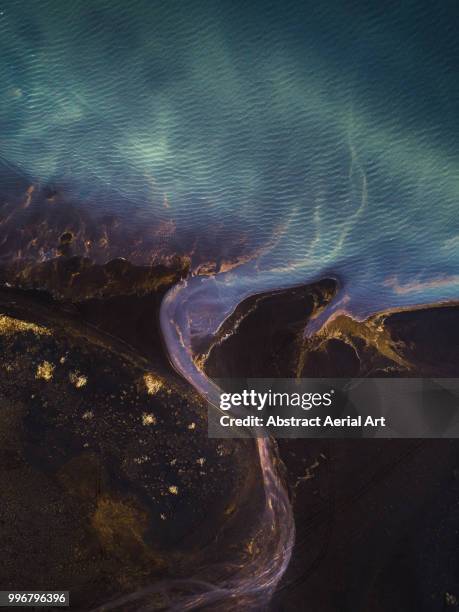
x=274 y=143
x=294 y=139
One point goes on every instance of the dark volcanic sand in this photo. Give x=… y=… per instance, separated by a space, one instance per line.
x=109 y=481
x=377 y=520
x=86 y=474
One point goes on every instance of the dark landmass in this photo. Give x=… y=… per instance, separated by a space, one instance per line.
x=118 y=297
x=377 y=521
x=270 y=341
x=109 y=481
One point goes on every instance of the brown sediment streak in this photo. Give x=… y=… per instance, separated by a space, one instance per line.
x=413 y=287
x=370 y=330
x=29 y=194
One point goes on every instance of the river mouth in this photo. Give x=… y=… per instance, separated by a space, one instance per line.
x=111 y=446
x=117 y=441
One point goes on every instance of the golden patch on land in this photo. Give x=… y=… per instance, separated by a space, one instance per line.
x=152 y=383
x=78 y=380
x=117 y=519
x=45 y=371
x=371 y=331
x=148 y=419
x=120 y=525
x=10 y=326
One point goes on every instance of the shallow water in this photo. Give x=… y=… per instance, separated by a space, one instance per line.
x=310 y=139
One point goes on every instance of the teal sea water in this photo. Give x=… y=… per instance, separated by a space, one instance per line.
x=295 y=139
